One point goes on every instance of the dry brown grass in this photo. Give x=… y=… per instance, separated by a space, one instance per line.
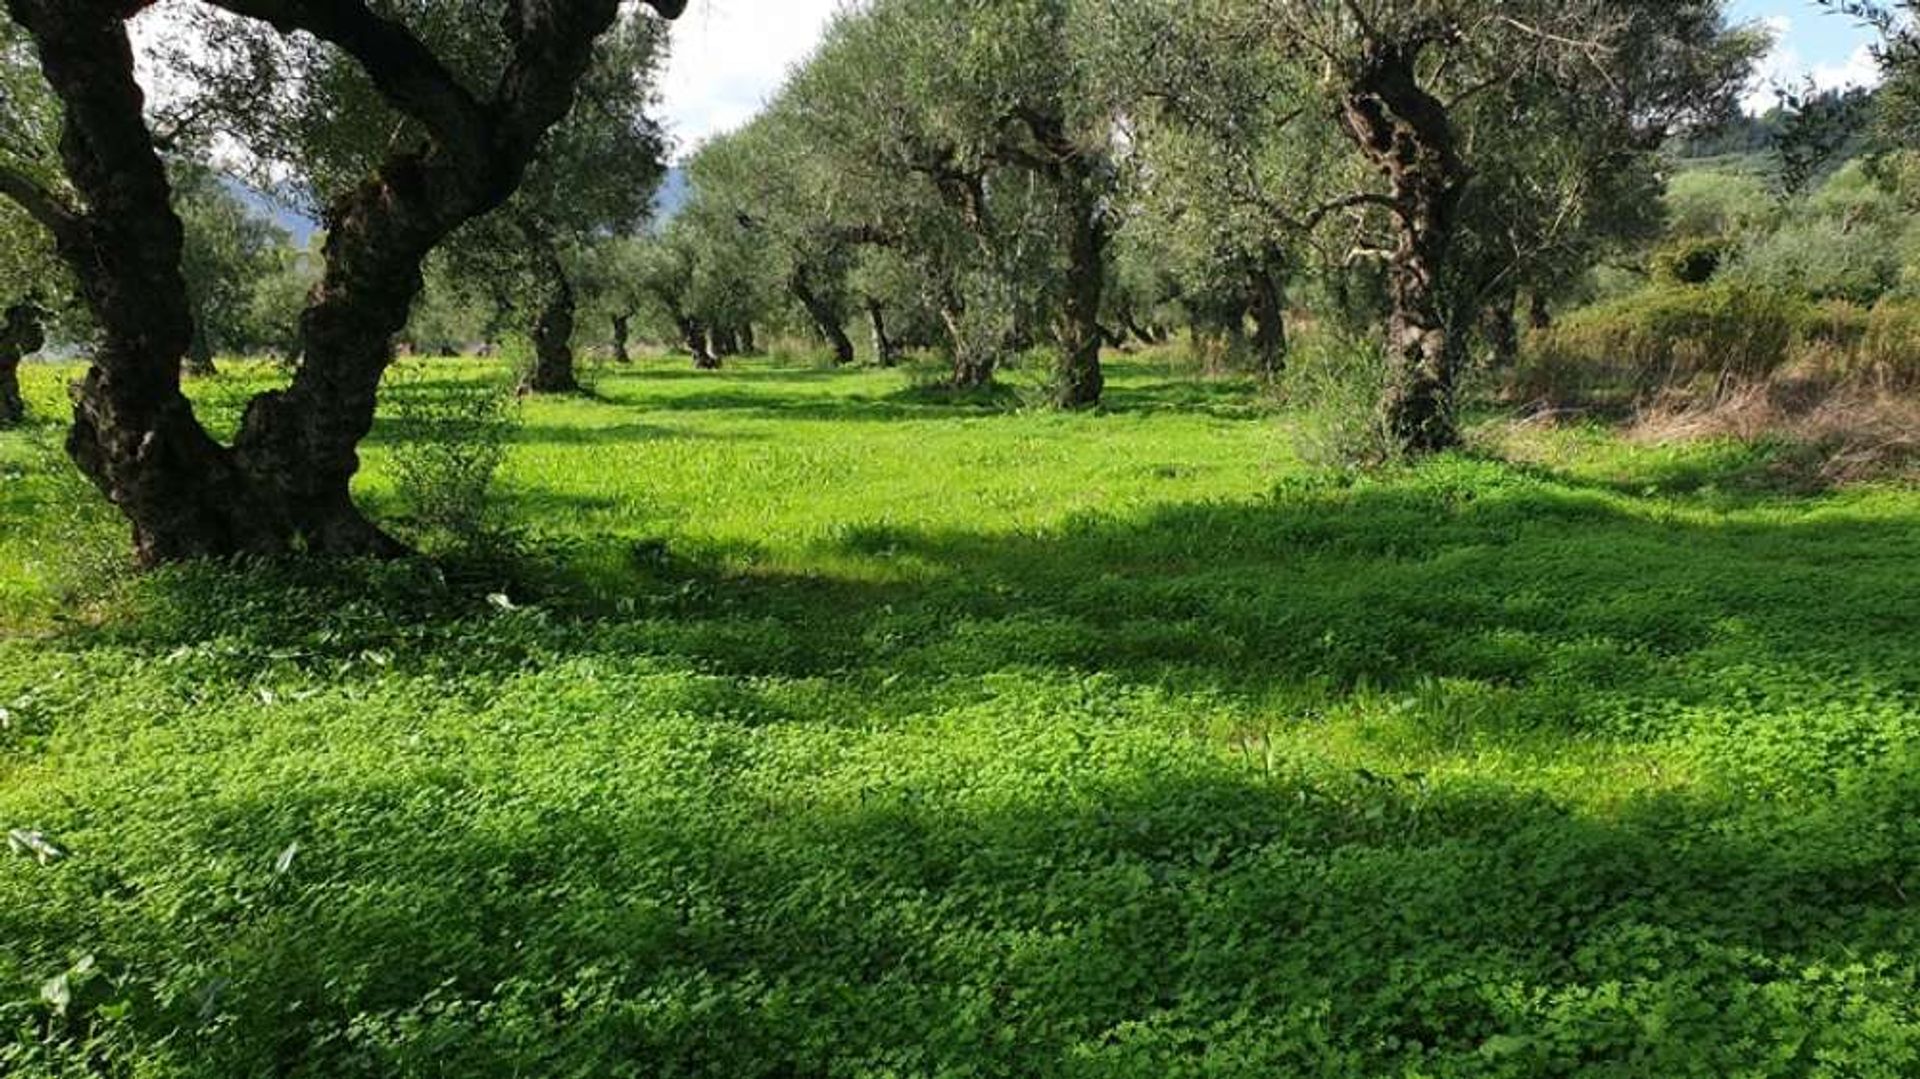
x=1845 y=433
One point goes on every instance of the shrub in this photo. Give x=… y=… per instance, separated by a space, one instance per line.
x=1826 y=258
x=1663 y=337
x=1334 y=384
x=1705 y=203
x=1690 y=260
x=78 y=546
x=1889 y=351
x=452 y=437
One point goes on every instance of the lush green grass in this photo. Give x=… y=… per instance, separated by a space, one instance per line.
x=844 y=732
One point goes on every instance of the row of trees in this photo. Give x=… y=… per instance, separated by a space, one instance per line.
x=990 y=175
x=979 y=176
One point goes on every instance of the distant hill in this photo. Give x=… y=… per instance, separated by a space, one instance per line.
x=288 y=218
x=667 y=203
x=672 y=196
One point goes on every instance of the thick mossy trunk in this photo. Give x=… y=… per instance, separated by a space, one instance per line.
x=20 y=335
x=284 y=485
x=552 y=370
x=1405 y=132
x=825 y=318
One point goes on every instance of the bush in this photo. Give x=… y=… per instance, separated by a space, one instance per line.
x=453 y=432
x=80 y=546
x=1889 y=350
x=1663 y=337
x=1826 y=258
x=1334 y=385
x=1690 y=261
x=1707 y=204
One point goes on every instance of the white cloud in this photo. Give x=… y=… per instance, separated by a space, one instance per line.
x=1785 y=68
x=730 y=56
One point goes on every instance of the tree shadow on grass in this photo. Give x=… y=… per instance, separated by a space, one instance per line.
x=907 y=403
x=698 y=820
x=1547 y=603
x=1234 y=399
x=1169 y=912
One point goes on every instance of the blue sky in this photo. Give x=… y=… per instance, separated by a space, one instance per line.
x=1809 y=42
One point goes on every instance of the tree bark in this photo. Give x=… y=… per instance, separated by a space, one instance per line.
x=748 y=345
x=1502 y=332
x=886 y=353
x=725 y=342
x=1269 y=322
x=1143 y=334
x=552 y=370
x=134 y=435
x=199 y=362
x=694 y=334
x=1081 y=379
x=973 y=366
x=824 y=317
x=20 y=335
x=621 y=326
x=1406 y=134
x=1539 y=313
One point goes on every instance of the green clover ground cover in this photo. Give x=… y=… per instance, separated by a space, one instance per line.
x=841 y=732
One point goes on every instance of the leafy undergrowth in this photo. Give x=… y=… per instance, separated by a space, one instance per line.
x=847 y=732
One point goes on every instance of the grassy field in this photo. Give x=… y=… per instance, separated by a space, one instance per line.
x=836 y=731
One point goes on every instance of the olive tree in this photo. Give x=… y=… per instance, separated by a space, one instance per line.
x=473 y=121
x=1439 y=100
x=972 y=135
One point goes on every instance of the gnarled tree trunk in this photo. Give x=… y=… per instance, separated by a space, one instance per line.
x=1081 y=379
x=134 y=434
x=621 y=332
x=824 y=317
x=552 y=370
x=1502 y=332
x=200 y=351
x=1406 y=133
x=20 y=335
x=1146 y=335
x=886 y=353
x=284 y=484
x=694 y=334
x=1269 y=322
x=973 y=363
